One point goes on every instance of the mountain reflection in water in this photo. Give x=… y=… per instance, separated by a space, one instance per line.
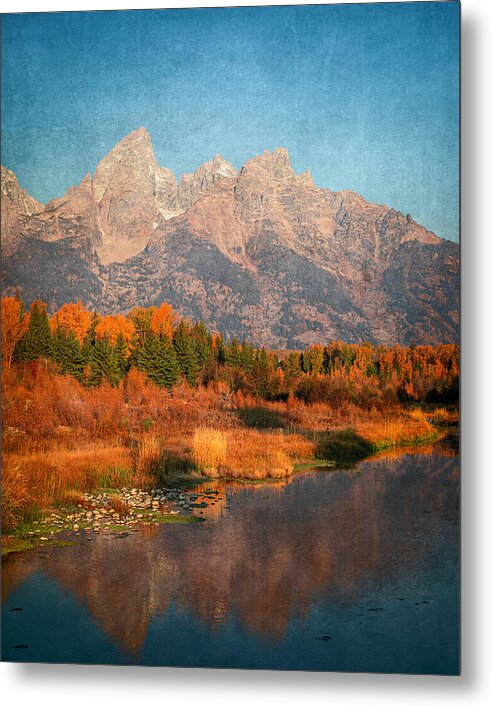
x=331 y=550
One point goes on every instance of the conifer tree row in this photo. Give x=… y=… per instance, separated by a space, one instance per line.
x=157 y=357
x=95 y=349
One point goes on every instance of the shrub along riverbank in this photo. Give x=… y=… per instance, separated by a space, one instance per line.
x=61 y=439
x=146 y=398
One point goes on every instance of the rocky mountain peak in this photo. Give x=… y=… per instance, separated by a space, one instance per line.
x=305 y=179
x=13 y=192
x=263 y=253
x=222 y=168
x=86 y=183
x=139 y=137
x=259 y=182
x=130 y=164
x=212 y=170
x=193 y=186
x=275 y=164
x=137 y=145
x=16 y=207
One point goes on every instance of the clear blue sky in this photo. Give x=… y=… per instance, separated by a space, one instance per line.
x=364 y=96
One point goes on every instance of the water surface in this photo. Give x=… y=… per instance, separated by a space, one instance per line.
x=346 y=570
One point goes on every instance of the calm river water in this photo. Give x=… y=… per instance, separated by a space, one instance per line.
x=347 y=570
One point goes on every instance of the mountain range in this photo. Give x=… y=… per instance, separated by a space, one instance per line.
x=261 y=253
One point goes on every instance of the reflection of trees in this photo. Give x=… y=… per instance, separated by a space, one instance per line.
x=324 y=536
x=15 y=570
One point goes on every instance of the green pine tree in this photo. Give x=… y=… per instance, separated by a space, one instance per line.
x=233 y=354
x=292 y=365
x=305 y=361
x=186 y=355
x=157 y=357
x=261 y=376
x=90 y=339
x=220 y=351
x=103 y=364
x=203 y=343
x=37 y=342
x=67 y=352
x=247 y=357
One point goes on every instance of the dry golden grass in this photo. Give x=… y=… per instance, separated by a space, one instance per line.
x=80 y=468
x=418 y=415
x=409 y=428
x=34 y=481
x=247 y=453
x=17 y=501
x=61 y=439
x=443 y=416
x=209 y=450
x=147 y=460
x=258 y=455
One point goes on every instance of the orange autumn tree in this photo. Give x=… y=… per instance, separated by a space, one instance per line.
x=112 y=326
x=15 y=322
x=72 y=318
x=162 y=320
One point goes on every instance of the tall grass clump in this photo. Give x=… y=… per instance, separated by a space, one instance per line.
x=209 y=449
x=412 y=428
x=17 y=502
x=258 y=455
x=148 y=461
x=249 y=454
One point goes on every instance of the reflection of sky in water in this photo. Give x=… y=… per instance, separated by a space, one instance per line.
x=334 y=571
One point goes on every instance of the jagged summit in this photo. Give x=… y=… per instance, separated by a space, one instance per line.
x=131 y=159
x=193 y=186
x=12 y=190
x=260 y=253
x=274 y=163
x=17 y=207
x=140 y=135
x=222 y=167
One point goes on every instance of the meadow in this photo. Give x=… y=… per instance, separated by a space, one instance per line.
x=148 y=399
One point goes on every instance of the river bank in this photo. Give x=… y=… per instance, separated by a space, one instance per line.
x=119 y=511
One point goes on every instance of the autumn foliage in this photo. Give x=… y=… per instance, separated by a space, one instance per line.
x=162 y=320
x=114 y=400
x=96 y=349
x=72 y=318
x=15 y=322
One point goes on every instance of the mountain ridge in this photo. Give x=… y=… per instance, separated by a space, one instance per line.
x=260 y=252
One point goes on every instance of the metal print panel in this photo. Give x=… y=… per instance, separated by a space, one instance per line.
x=230 y=337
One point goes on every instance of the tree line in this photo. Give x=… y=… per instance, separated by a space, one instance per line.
x=94 y=348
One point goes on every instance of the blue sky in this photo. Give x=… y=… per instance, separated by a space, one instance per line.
x=364 y=96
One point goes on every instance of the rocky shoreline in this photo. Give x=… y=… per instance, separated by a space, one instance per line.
x=117 y=512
